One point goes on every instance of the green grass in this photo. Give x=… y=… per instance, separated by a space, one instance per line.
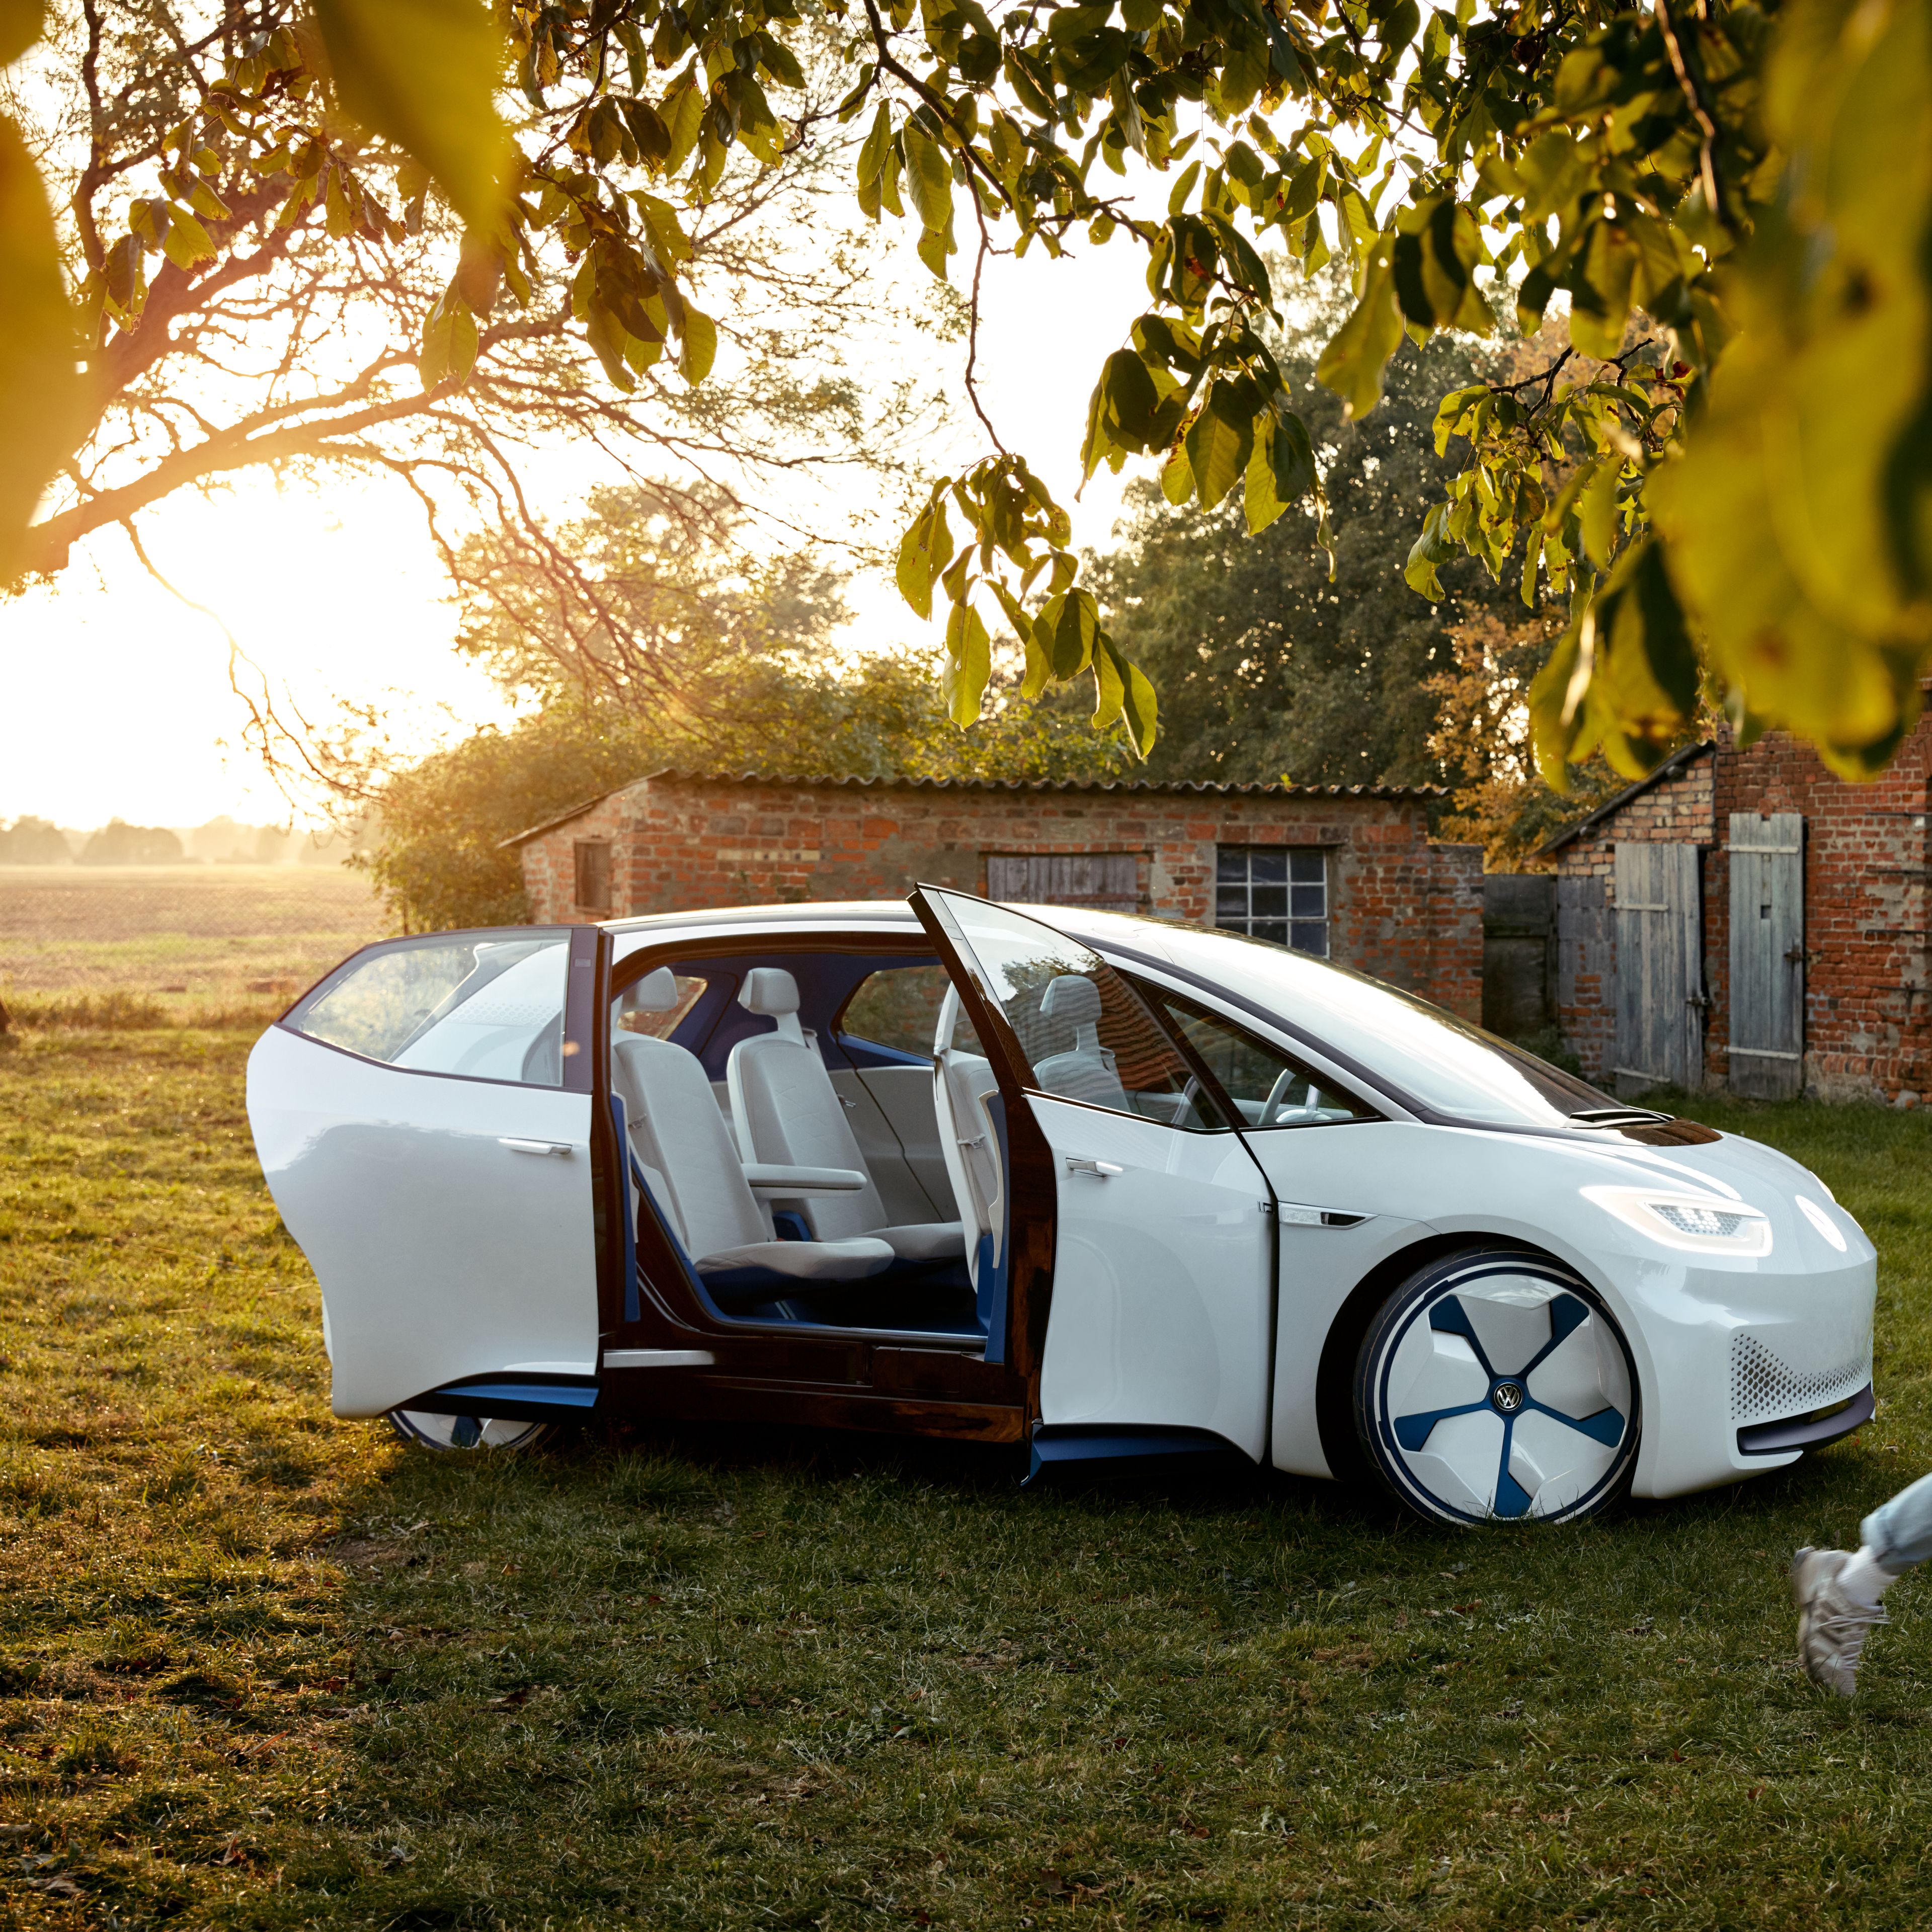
x=263 y=1668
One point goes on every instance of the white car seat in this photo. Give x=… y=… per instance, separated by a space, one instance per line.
x=787 y=1111
x=963 y=1084
x=1087 y=1072
x=693 y=1171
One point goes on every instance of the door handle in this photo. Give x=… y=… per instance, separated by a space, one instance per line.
x=561 y=1149
x=1099 y=1169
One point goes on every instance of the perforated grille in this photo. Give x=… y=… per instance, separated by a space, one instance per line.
x=1763 y=1390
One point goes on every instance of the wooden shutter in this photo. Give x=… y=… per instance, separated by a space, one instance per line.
x=1660 y=968
x=1109 y=881
x=1767 y=1016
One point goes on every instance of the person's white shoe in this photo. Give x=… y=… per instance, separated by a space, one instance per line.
x=1831 y=1628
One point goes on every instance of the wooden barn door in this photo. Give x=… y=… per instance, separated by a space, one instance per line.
x=1660 y=968
x=1104 y=881
x=1767 y=1049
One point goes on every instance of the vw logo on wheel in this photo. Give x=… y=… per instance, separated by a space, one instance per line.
x=1508 y=1397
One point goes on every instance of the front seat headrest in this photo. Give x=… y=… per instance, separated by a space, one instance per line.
x=769 y=990
x=1071 y=1000
x=656 y=992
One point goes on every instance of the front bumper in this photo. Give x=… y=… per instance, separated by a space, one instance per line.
x=1724 y=1352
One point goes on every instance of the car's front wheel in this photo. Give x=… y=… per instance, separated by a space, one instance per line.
x=427 y=1431
x=1494 y=1385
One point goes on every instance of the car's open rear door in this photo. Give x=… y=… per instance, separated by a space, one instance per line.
x=425 y=1119
x=1163 y=1277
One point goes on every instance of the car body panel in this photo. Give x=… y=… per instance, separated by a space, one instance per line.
x=442 y=1252
x=1161 y=1301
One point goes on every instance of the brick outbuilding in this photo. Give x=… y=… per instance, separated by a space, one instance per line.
x=1349 y=871
x=1744 y=918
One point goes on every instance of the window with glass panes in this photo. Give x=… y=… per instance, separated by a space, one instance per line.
x=1274 y=892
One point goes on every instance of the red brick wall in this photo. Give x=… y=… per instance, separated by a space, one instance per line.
x=1402 y=908
x=1867 y=1029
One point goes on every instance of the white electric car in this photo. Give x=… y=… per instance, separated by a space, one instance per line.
x=1104 y=1186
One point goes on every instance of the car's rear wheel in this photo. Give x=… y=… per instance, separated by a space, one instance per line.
x=429 y=1431
x=1494 y=1385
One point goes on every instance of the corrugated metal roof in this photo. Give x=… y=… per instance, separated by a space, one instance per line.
x=1670 y=767
x=1142 y=788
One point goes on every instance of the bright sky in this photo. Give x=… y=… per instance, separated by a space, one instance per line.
x=150 y=731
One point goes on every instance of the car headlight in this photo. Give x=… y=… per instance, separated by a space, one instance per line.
x=1698 y=1222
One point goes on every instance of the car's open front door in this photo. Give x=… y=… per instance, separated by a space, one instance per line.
x=424 y=1117
x=1162 y=1275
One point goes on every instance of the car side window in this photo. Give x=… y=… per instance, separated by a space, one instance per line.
x=898 y=1008
x=1083 y=1031
x=660 y=1022
x=488 y=1006
x=1269 y=1088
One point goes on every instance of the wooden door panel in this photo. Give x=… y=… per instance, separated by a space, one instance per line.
x=1109 y=881
x=1767 y=955
x=1660 y=1036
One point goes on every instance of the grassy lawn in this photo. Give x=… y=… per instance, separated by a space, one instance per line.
x=260 y=1668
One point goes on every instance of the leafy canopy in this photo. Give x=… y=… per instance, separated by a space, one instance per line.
x=1739 y=502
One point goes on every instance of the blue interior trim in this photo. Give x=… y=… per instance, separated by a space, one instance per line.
x=870 y=1053
x=634 y=1304
x=514 y=1401
x=1103 y=1445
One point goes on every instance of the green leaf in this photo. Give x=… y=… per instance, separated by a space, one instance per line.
x=649 y=131
x=449 y=341
x=1067 y=626
x=1123 y=695
x=1359 y=351
x=1598 y=516
x=929 y=178
x=1039 y=665
x=698 y=346
x=1282 y=469
x=42 y=399
x=1622 y=680
x=1124 y=416
x=969 y=664
x=187 y=241
x=425 y=73
x=1221 y=439
x=683 y=116
x=933 y=246
x=21 y=23
x=1177 y=478
x=1434 y=547
x=872 y=150
x=925 y=550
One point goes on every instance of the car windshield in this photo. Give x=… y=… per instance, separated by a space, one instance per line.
x=1448 y=1066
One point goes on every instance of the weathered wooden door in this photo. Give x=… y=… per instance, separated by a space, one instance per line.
x=1767 y=1049
x=1660 y=968
x=1105 y=881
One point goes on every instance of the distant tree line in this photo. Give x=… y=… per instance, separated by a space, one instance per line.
x=32 y=840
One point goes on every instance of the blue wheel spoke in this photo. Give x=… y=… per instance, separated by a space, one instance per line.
x=1413 y=1431
x=1566 y=1315
x=1605 y=1425
x=1512 y=1498
x=1449 y=1317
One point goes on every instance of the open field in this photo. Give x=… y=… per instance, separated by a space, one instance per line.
x=189 y=938
x=260 y=1669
